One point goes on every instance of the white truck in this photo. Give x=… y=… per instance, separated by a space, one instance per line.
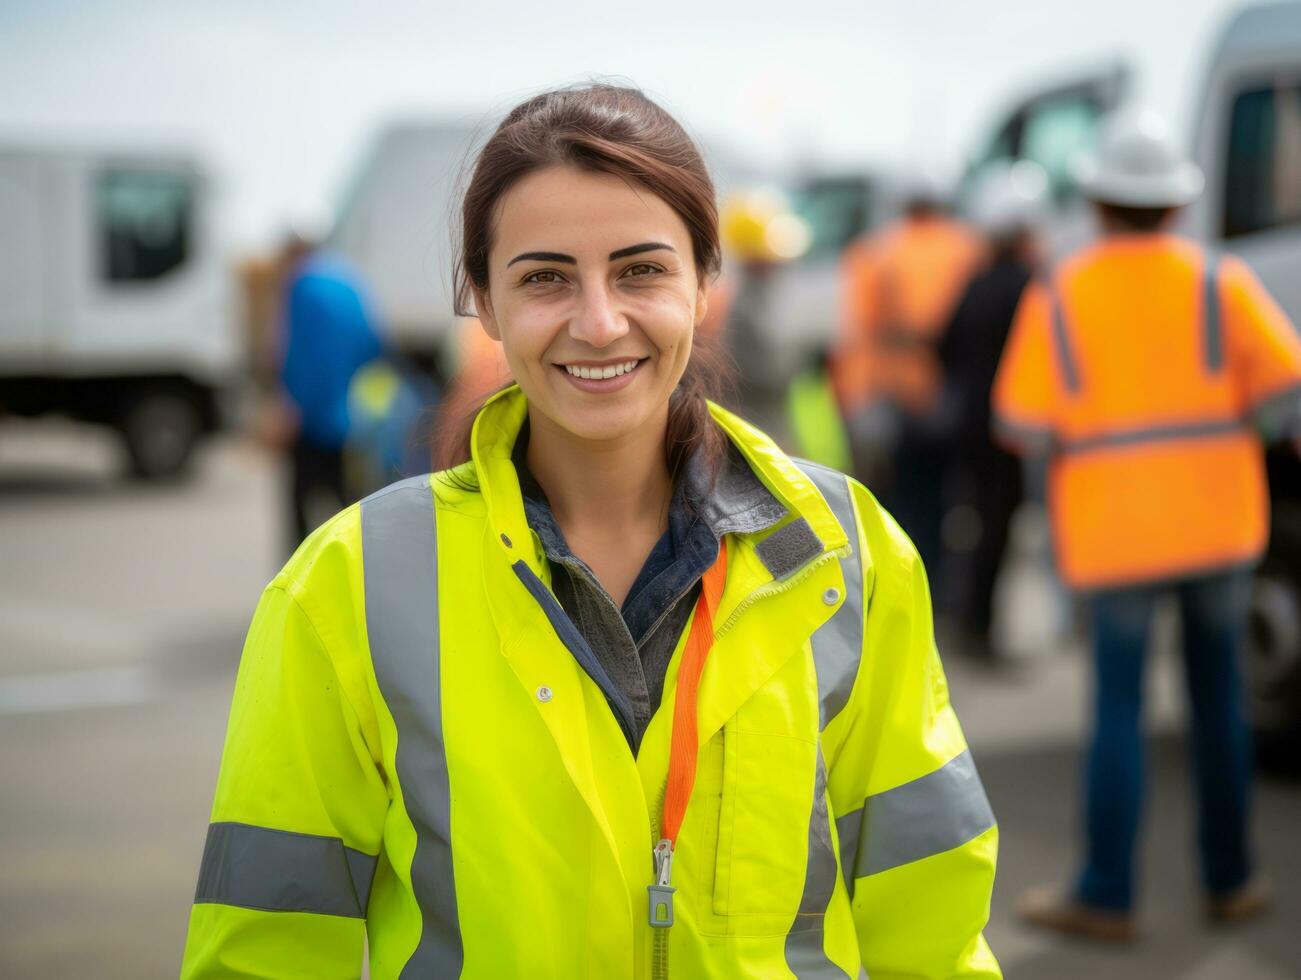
x=1243 y=128
x=115 y=304
x=395 y=226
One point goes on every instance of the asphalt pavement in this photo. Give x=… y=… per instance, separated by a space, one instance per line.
x=122 y=612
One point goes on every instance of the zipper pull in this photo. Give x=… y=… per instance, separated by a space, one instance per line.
x=661 y=893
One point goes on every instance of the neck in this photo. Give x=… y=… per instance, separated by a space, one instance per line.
x=619 y=484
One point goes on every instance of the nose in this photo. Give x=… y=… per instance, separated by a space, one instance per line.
x=597 y=321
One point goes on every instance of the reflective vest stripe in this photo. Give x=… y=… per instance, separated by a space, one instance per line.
x=1212 y=334
x=838 y=643
x=399 y=548
x=1155 y=433
x=282 y=871
x=1280 y=413
x=806 y=942
x=1037 y=440
x=837 y=651
x=1212 y=329
x=919 y=819
x=1062 y=343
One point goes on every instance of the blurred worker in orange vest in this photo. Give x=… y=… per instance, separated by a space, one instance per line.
x=901 y=285
x=1150 y=369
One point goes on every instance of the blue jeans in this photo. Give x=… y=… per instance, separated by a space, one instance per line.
x=1213 y=612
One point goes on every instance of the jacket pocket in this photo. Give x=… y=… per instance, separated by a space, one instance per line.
x=763 y=827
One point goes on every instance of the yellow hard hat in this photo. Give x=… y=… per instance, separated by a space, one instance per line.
x=757 y=225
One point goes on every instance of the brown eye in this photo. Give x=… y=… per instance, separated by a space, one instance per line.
x=641 y=269
x=543 y=277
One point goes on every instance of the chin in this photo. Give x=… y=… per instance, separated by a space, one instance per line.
x=604 y=424
x=608 y=429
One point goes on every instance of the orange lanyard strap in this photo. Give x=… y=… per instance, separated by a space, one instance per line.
x=686 y=736
x=685 y=742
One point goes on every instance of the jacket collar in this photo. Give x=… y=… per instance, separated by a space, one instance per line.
x=497 y=427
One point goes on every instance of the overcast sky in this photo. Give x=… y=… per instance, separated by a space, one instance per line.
x=282 y=97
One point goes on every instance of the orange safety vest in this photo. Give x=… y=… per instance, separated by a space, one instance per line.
x=901 y=286
x=1141 y=367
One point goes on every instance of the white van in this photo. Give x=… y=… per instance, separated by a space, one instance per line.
x=1244 y=131
x=1245 y=134
x=395 y=226
x=114 y=301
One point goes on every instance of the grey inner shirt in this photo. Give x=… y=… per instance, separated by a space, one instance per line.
x=635 y=643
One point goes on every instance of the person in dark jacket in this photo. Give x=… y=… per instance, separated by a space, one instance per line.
x=985 y=480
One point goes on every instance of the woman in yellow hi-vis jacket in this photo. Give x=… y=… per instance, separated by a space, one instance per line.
x=627 y=692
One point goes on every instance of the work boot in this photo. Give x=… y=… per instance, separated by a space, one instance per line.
x=1050 y=909
x=1243 y=903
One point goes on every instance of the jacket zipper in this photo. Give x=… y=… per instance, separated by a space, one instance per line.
x=663 y=849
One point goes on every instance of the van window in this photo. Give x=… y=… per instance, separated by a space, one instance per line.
x=145 y=219
x=836 y=210
x=1049 y=131
x=1055 y=132
x=1262 y=184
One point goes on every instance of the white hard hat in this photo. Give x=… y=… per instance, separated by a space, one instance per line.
x=1137 y=165
x=924 y=184
x=1009 y=197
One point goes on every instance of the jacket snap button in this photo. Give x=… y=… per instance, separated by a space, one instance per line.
x=831 y=596
x=545 y=694
x=505 y=540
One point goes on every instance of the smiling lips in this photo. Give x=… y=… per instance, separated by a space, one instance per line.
x=601 y=377
x=599 y=371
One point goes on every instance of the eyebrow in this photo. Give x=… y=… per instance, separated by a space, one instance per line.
x=619 y=253
x=638 y=249
x=543 y=257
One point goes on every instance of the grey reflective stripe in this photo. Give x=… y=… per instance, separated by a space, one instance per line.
x=838 y=643
x=1212 y=333
x=805 y=943
x=837 y=651
x=281 y=871
x=1062 y=343
x=849 y=831
x=928 y=816
x=400 y=552
x=1280 y=414
x=1155 y=433
x=1034 y=440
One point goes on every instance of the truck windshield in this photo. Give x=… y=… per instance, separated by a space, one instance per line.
x=144 y=223
x=836 y=211
x=1049 y=130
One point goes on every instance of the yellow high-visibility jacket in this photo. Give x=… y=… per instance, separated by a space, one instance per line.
x=421 y=753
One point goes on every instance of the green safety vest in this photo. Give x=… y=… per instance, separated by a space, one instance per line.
x=816 y=422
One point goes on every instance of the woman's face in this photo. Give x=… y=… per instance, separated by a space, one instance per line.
x=593 y=293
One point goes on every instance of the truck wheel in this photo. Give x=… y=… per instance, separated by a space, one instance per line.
x=160 y=429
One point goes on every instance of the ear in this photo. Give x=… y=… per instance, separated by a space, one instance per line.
x=702 y=302
x=486 y=317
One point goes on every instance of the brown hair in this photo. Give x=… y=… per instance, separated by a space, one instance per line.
x=1134 y=219
x=607 y=129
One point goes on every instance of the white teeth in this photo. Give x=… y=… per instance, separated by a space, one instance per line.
x=600 y=373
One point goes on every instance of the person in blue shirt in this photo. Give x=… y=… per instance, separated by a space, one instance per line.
x=330 y=332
